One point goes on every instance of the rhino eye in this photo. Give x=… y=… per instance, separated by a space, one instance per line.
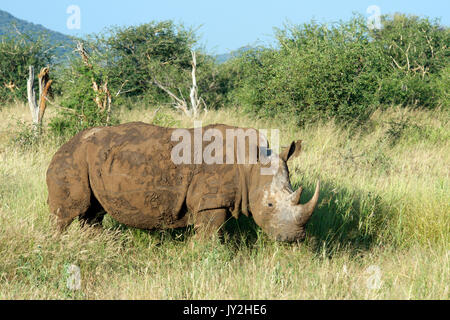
x=270 y=205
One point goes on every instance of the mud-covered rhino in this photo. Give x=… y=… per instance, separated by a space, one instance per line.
x=129 y=172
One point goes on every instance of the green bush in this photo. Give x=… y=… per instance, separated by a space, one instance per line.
x=138 y=54
x=442 y=83
x=165 y=120
x=345 y=70
x=134 y=57
x=17 y=53
x=416 y=50
x=78 y=109
x=25 y=137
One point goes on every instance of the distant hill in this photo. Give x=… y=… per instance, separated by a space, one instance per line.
x=221 y=58
x=9 y=25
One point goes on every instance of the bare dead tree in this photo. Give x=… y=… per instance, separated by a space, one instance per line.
x=83 y=53
x=38 y=108
x=196 y=102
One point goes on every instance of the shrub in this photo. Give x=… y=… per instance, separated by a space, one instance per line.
x=165 y=120
x=345 y=70
x=79 y=110
x=17 y=53
x=25 y=137
x=416 y=50
x=137 y=55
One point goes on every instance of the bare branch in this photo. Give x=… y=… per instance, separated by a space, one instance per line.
x=43 y=100
x=102 y=93
x=398 y=66
x=195 y=101
x=38 y=109
x=11 y=86
x=194 y=89
x=407 y=56
x=429 y=43
x=156 y=111
x=17 y=30
x=58 y=106
x=83 y=53
x=181 y=104
x=121 y=87
x=44 y=90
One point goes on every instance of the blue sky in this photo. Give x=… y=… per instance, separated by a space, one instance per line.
x=225 y=25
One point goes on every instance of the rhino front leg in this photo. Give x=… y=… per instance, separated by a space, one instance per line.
x=208 y=223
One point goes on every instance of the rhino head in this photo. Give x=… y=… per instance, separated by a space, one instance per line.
x=275 y=207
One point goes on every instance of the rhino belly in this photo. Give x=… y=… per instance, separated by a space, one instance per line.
x=138 y=189
x=145 y=209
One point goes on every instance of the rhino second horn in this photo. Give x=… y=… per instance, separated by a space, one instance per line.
x=307 y=209
x=296 y=196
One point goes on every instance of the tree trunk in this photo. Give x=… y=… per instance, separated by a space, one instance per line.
x=34 y=109
x=38 y=110
x=181 y=104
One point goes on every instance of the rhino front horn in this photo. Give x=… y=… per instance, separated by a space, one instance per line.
x=307 y=209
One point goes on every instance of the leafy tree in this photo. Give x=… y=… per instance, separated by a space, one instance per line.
x=345 y=70
x=417 y=50
x=138 y=54
x=84 y=103
x=17 y=53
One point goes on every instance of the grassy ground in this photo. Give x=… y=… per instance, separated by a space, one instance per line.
x=381 y=230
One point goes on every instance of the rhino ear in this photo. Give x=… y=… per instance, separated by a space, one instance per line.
x=292 y=151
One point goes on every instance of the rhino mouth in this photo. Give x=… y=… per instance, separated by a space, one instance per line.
x=286 y=237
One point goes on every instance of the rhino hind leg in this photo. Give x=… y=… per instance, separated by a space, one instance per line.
x=93 y=215
x=68 y=198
